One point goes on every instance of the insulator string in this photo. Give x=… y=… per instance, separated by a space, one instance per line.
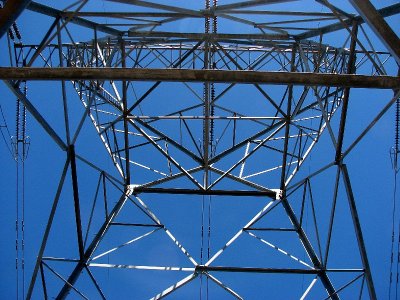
x=394 y=153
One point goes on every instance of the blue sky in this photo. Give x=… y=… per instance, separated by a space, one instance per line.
x=369 y=167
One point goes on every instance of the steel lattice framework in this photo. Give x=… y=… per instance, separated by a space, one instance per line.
x=209 y=129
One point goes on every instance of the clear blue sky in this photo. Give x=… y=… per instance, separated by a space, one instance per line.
x=369 y=167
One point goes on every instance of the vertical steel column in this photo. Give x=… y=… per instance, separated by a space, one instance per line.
x=359 y=235
x=47 y=230
x=125 y=117
x=92 y=247
x=346 y=92
x=74 y=177
x=63 y=87
x=289 y=210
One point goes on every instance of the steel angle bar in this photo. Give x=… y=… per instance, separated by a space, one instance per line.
x=155 y=85
x=35 y=113
x=10 y=13
x=47 y=230
x=332 y=217
x=45 y=42
x=49 y=258
x=269 y=229
x=177 y=114
x=372 y=124
x=364 y=50
x=168 y=139
x=337 y=9
x=144 y=166
x=378 y=24
x=126 y=14
x=305 y=155
x=142 y=207
x=277 y=125
x=325 y=280
x=304 y=20
x=249 y=3
x=346 y=93
x=95 y=283
x=190 y=75
x=224 y=286
x=175 y=286
x=77 y=209
x=44 y=285
x=136 y=224
x=270 y=169
x=166 y=179
x=89 y=224
x=134 y=267
x=206 y=268
x=259 y=215
x=55 y=13
x=83 y=118
x=255 y=25
x=257 y=121
x=301 y=101
x=358 y=231
x=101 y=135
x=48 y=37
x=111 y=178
x=177 y=191
x=298 y=226
x=279 y=249
x=244 y=158
x=100 y=54
x=93 y=246
x=309 y=288
x=207 y=36
x=326 y=118
x=181 y=10
x=347 y=284
x=243 y=163
x=241 y=180
x=376 y=54
x=124 y=244
x=179 y=245
x=270 y=100
x=384 y=12
x=156 y=220
x=65 y=281
x=278 y=13
x=163 y=152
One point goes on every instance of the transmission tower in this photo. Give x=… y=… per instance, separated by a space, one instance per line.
x=204 y=145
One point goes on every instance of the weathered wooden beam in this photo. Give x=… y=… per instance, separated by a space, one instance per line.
x=10 y=12
x=189 y=75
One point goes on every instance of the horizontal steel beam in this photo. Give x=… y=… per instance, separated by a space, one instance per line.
x=175 y=191
x=203 y=268
x=189 y=75
x=208 y=36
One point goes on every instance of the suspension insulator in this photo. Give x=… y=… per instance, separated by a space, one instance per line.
x=11 y=34
x=16 y=30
